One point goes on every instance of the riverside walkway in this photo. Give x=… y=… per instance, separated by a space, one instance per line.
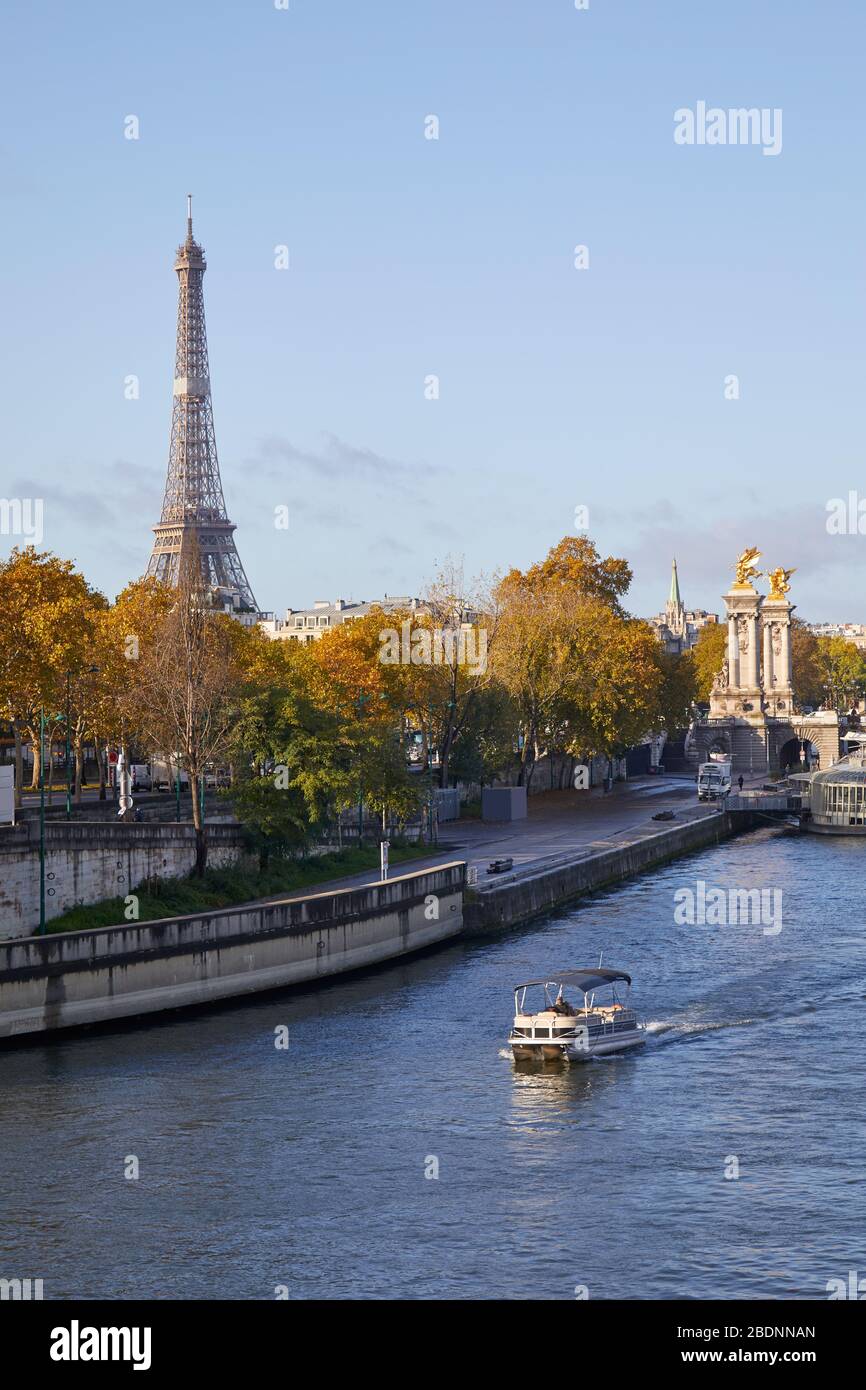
x=560 y=826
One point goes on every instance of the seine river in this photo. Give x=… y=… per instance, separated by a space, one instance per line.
x=303 y=1169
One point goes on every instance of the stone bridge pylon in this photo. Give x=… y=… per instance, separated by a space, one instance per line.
x=752 y=709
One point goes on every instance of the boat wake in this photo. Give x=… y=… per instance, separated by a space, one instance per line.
x=672 y=1029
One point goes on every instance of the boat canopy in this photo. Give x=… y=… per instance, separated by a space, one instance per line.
x=585 y=980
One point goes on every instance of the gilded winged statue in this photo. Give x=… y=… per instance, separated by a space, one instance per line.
x=747 y=570
x=779 y=585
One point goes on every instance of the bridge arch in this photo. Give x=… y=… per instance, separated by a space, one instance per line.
x=797 y=753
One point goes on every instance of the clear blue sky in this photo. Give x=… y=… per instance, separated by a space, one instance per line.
x=410 y=257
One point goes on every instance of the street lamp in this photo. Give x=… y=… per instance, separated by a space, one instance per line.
x=359 y=710
x=42 y=822
x=359 y=704
x=432 y=826
x=431 y=816
x=68 y=768
x=89 y=670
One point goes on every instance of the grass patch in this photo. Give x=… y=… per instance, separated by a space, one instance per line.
x=173 y=897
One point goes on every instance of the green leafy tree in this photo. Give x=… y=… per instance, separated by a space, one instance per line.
x=678 y=690
x=484 y=748
x=275 y=817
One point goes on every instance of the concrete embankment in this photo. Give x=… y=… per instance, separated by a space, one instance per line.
x=119 y=972
x=88 y=977
x=520 y=895
x=89 y=861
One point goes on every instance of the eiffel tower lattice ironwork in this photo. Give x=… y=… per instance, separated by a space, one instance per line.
x=193 y=507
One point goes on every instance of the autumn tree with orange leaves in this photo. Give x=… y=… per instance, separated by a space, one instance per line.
x=585 y=678
x=50 y=617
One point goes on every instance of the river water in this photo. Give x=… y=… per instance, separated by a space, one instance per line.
x=304 y=1170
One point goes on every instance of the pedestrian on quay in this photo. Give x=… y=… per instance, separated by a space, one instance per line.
x=740 y=781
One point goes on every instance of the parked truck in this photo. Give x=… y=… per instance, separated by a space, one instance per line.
x=164 y=775
x=714 y=779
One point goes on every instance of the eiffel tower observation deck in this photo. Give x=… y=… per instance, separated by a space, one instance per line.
x=193 y=507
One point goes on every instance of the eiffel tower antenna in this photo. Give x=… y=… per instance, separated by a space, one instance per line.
x=193 y=507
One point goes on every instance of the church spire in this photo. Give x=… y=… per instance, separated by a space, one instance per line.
x=674 y=598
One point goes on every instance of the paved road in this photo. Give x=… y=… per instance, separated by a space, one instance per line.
x=559 y=823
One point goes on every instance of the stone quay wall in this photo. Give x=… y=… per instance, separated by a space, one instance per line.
x=88 y=861
x=86 y=977
x=522 y=895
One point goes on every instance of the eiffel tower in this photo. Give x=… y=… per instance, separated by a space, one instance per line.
x=193 y=507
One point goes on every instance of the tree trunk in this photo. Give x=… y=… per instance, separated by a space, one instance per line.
x=527 y=765
x=19 y=764
x=37 y=761
x=200 y=832
x=445 y=757
x=101 y=758
x=526 y=758
x=79 y=773
x=451 y=733
x=200 y=851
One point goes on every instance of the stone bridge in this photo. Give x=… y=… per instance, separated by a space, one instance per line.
x=768 y=747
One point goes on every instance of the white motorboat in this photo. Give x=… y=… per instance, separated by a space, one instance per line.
x=564 y=1030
